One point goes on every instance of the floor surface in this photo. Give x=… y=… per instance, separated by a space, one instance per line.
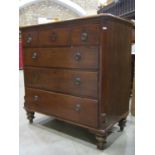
x=47 y=136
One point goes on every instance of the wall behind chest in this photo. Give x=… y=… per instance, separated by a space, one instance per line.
x=29 y=14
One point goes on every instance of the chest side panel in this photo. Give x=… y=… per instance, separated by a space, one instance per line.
x=116 y=69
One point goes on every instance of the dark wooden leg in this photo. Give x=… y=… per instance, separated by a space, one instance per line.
x=30 y=116
x=122 y=124
x=101 y=140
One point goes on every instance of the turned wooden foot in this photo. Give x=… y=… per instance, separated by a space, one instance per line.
x=101 y=140
x=30 y=116
x=122 y=124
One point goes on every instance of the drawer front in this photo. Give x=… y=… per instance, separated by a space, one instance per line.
x=85 y=34
x=54 y=37
x=76 y=109
x=83 y=57
x=80 y=83
x=30 y=38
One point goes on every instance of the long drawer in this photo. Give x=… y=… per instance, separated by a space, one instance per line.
x=76 y=57
x=80 y=83
x=80 y=110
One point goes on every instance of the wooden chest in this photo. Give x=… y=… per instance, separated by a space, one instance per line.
x=79 y=71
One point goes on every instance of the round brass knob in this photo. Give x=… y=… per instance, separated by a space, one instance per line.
x=77 y=56
x=29 y=39
x=77 y=107
x=77 y=81
x=53 y=36
x=84 y=36
x=35 y=98
x=34 y=55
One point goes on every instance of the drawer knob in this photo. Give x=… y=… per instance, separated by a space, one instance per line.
x=84 y=36
x=29 y=39
x=77 y=56
x=77 y=107
x=53 y=36
x=77 y=81
x=34 y=55
x=35 y=98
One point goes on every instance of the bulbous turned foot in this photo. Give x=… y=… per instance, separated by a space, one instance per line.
x=30 y=116
x=122 y=124
x=101 y=140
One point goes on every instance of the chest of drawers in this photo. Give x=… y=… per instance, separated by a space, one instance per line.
x=79 y=71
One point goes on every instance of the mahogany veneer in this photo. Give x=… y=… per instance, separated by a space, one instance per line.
x=79 y=71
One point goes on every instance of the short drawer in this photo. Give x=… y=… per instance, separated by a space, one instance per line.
x=54 y=37
x=82 y=57
x=85 y=34
x=80 y=83
x=30 y=38
x=76 y=109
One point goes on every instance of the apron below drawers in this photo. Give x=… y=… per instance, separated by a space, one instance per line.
x=76 y=109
